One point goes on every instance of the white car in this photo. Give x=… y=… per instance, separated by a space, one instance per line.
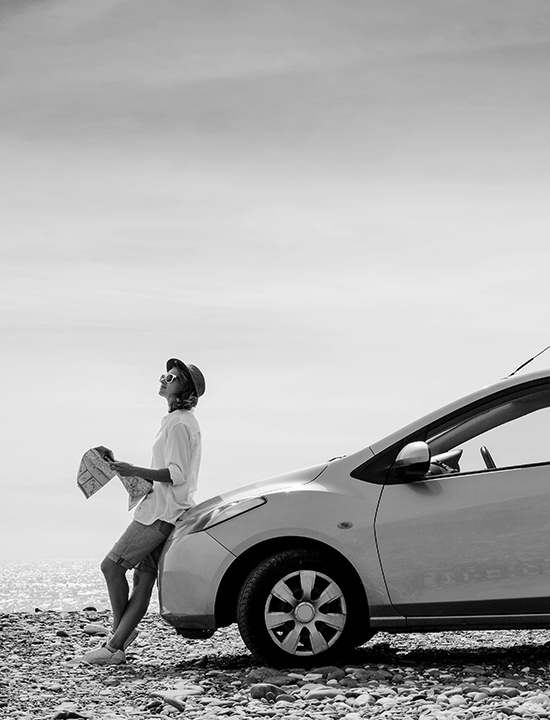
x=420 y=531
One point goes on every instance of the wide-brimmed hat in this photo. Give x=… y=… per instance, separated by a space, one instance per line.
x=191 y=372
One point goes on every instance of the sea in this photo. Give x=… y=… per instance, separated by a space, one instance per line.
x=61 y=585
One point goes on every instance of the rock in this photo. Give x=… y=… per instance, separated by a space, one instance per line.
x=338 y=674
x=312 y=676
x=365 y=699
x=306 y=687
x=480 y=697
x=261 y=690
x=475 y=669
x=92 y=629
x=258 y=675
x=176 y=698
x=505 y=692
x=153 y=704
x=285 y=697
x=278 y=680
x=62 y=633
x=387 y=703
x=504 y=709
x=531 y=708
x=348 y=682
x=188 y=689
x=178 y=703
x=513 y=682
x=322 y=693
x=366 y=674
x=326 y=670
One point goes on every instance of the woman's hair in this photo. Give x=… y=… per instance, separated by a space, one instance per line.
x=185 y=400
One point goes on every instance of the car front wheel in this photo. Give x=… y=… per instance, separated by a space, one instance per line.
x=296 y=609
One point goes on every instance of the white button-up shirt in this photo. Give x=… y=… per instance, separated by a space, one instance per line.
x=178 y=448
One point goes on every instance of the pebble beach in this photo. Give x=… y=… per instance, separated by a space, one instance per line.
x=462 y=675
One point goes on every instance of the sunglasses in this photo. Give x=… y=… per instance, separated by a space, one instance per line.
x=169 y=378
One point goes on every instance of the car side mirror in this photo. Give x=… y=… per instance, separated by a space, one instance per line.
x=413 y=462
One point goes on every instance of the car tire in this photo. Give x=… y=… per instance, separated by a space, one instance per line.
x=299 y=609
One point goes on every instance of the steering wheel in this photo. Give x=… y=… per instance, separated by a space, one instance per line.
x=487 y=458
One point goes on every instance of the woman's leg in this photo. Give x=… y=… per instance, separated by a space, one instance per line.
x=135 y=609
x=117 y=585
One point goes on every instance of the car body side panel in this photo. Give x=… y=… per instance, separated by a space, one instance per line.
x=468 y=544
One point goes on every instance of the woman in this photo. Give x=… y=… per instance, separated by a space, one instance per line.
x=173 y=476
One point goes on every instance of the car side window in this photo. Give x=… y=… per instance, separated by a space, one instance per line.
x=514 y=431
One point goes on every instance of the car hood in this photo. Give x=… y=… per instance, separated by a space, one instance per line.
x=285 y=482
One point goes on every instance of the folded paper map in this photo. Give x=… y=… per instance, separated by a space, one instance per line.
x=95 y=472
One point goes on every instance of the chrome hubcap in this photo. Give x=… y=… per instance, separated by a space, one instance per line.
x=305 y=613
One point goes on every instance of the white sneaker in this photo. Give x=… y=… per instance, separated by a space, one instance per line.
x=103 y=656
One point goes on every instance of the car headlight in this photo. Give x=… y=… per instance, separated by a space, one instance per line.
x=219 y=514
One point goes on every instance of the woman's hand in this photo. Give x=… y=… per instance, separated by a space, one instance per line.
x=124 y=469
x=105 y=452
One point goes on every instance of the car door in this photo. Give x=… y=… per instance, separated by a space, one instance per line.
x=477 y=541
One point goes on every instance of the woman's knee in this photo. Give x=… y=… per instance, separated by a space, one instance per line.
x=110 y=569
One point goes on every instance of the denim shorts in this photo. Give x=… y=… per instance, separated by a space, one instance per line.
x=140 y=545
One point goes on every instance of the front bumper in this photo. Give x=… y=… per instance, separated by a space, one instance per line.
x=190 y=571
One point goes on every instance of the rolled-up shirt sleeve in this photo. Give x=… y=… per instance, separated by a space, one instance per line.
x=178 y=452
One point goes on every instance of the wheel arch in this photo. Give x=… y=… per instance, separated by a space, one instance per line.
x=238 y=571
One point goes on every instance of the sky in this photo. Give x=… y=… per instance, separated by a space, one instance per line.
x=337 y=209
